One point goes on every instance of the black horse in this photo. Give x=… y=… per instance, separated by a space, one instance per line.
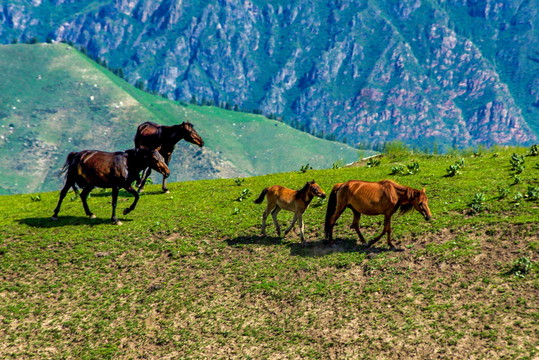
x=163 y=138
x=92 y=168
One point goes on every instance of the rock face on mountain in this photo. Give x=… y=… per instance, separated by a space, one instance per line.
x=451 y=73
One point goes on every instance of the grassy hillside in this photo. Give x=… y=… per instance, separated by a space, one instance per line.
x=55 y=100
x=188 y=276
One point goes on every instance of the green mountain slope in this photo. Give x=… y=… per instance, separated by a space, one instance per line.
x=187 y=275
x=54 y=100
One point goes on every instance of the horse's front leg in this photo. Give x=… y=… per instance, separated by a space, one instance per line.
x=134 y=204
x=63 y=193
x=164 y=185
x=387 y=229
x=145 y=174
x=84 y=197
x=301 y=229
x=114 y=203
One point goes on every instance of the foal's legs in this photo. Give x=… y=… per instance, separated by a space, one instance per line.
x=301 y=228
x=387 y=229
x=355 y=224
x=274 y=216
x=83 y=197
x=134 y=204
x=291 y=225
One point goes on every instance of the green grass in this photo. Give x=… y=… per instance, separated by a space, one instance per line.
x=188 y=276
x=56 y=100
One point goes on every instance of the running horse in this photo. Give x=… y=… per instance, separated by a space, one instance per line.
x=163 y=138
x=373 y=198
x=117 y=170
x=281 y=198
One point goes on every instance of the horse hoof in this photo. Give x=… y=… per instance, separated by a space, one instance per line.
x=54 y=218
x=126 y=211
x=92 y=216
x=166 y=192
x=118 y=223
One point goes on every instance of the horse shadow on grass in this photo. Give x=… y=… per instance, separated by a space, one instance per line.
x=312 y=248
x=47 y=222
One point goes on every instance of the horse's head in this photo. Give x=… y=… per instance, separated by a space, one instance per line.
x=190 y=135
x=157 y=162
x=315 y=189
x=421 y=203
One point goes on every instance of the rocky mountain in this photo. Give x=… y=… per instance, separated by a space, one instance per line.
x=434 y=73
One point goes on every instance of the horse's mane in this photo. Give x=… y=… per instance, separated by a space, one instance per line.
x=302 y=191
x=401 y=192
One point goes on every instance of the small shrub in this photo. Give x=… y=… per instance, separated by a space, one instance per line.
x=373 y=162
x=502 y=193
x=521 y=267
x=245 y=193
x=409 y=169
x=518 y=196
x=517 y=163
x=533 y=193
x=516 y=179
x=238 y=181
x=305 y=168
x=453 y=170
x=534 y=150
x=337 y=164
x=478 y=203
x=35 y=198
x=397 y=170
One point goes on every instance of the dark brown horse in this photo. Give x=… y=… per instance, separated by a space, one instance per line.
x=373 y=198
x=91 y=168
x=163 y=138
x=281 y=198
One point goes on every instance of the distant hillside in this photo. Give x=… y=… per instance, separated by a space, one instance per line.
x=54 y=100
x=431 y=73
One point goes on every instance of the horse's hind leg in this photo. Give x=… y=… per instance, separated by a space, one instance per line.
x=134 y=204
x=355 y=224
x=83 y=197
x=333 y=219
x=274 y=216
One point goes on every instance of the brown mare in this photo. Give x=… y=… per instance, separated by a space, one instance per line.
x=281 y=198
x=163 y=138
x=373 y=198
x=91 y=168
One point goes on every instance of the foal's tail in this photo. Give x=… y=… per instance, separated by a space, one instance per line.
x=261 y=197
x=332 y=205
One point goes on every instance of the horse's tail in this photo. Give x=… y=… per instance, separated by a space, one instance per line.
x=261 y=196
x=332 y=205
x=68 y=166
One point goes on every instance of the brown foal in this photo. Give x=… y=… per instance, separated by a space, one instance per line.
x=281 y=198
